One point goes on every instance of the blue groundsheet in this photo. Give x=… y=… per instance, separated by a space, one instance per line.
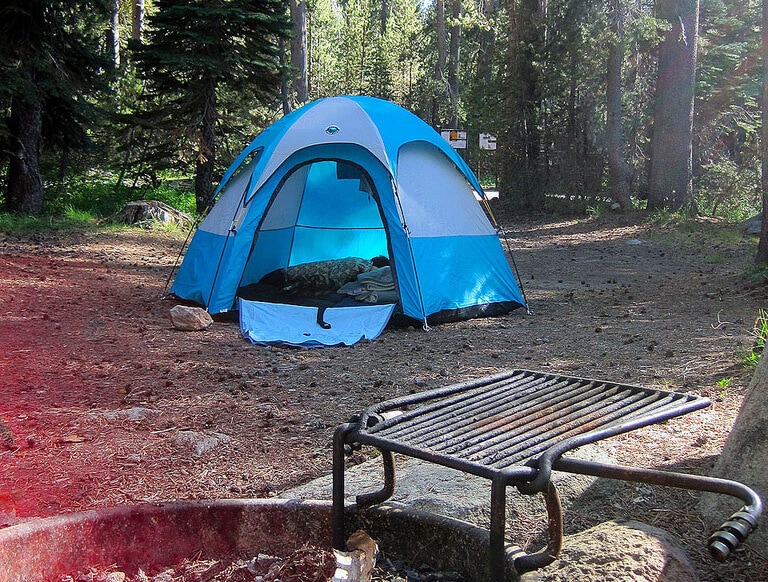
x=297 y=325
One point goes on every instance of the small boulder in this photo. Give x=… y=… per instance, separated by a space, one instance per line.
x=752 y=225
x=201 y=442
x=621 y=551
x=187 y=318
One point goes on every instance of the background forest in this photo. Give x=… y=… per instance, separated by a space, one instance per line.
x=595 y=104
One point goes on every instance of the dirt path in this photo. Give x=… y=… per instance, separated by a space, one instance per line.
x=104 y=403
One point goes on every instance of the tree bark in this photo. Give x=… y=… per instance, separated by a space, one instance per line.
x=384 y=16
x=487 y=44
x=285 y=90
x=762 y=246
x=206 y=157
x=671 y=175
x=137 y=20
x=25 y=184
x=618 y=169
x=453 y=64
x=114 y=34
x=442 y=59
x=299 y=51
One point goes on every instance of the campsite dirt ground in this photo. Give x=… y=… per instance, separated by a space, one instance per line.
x=102 y=402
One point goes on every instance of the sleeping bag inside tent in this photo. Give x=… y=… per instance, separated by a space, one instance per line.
x=349 y=202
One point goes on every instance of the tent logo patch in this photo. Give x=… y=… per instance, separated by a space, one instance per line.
x=332 y=129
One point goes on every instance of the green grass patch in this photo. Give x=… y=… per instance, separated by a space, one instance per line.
x=680 y=228
x=83 y=203
x=102 y=198
x=757 y=274
x=760 y=333
x=24 y=225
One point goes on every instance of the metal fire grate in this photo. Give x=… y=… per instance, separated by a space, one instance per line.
x=513 y=428
x=509 y=419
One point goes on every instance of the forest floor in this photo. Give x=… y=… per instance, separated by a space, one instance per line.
x=102 y=402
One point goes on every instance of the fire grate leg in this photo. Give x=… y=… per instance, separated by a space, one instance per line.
x=370 y=499
x=496 y=553
x=337 y=511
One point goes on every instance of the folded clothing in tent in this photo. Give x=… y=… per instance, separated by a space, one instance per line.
x=376 y=286
x=298 y=325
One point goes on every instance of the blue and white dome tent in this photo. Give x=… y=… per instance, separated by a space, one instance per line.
x=353 y=177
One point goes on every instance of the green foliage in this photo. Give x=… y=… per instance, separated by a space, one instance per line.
x=757 y=274
x=195 y=52
x=96 y=197
x=725 y=382
x=551 y=154
x=727 y=125
x=24 y=225
x=51 y=73
x=760 y=333
x=365 y=47
x=191 y=44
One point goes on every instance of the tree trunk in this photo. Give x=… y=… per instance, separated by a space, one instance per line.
x=285 y=91
x=618 y=170
x=113 y=43
x=671 y=177
x=299 y=51
x=384 y=16
x=745 y=455
x=206 y=158
x=137 y=20
x=762 y=247
x=25 y=185
x=487 y=44
x=442 y=59
x=453 y=65
x=520 y=178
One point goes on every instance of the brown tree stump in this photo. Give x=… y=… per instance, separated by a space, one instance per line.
x=149 y=211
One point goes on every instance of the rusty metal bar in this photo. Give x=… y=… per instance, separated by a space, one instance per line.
x=723 y=541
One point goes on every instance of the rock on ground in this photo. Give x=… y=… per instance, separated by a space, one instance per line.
x=621 y=551
x=186 y=318
x=752 y=225
x=430 y=487
x=201 y=442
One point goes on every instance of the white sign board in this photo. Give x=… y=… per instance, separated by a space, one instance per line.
x=487 y=141
x=457 y=139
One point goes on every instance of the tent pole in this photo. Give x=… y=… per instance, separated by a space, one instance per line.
x=425 y=325
x=498 y=227
x=231 y=232
x=195 y=224
x=514 y=266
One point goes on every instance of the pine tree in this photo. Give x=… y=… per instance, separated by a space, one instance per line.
x=49 y=68
x=195 y=50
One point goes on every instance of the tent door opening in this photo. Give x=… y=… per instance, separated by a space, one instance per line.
x=322 y=230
